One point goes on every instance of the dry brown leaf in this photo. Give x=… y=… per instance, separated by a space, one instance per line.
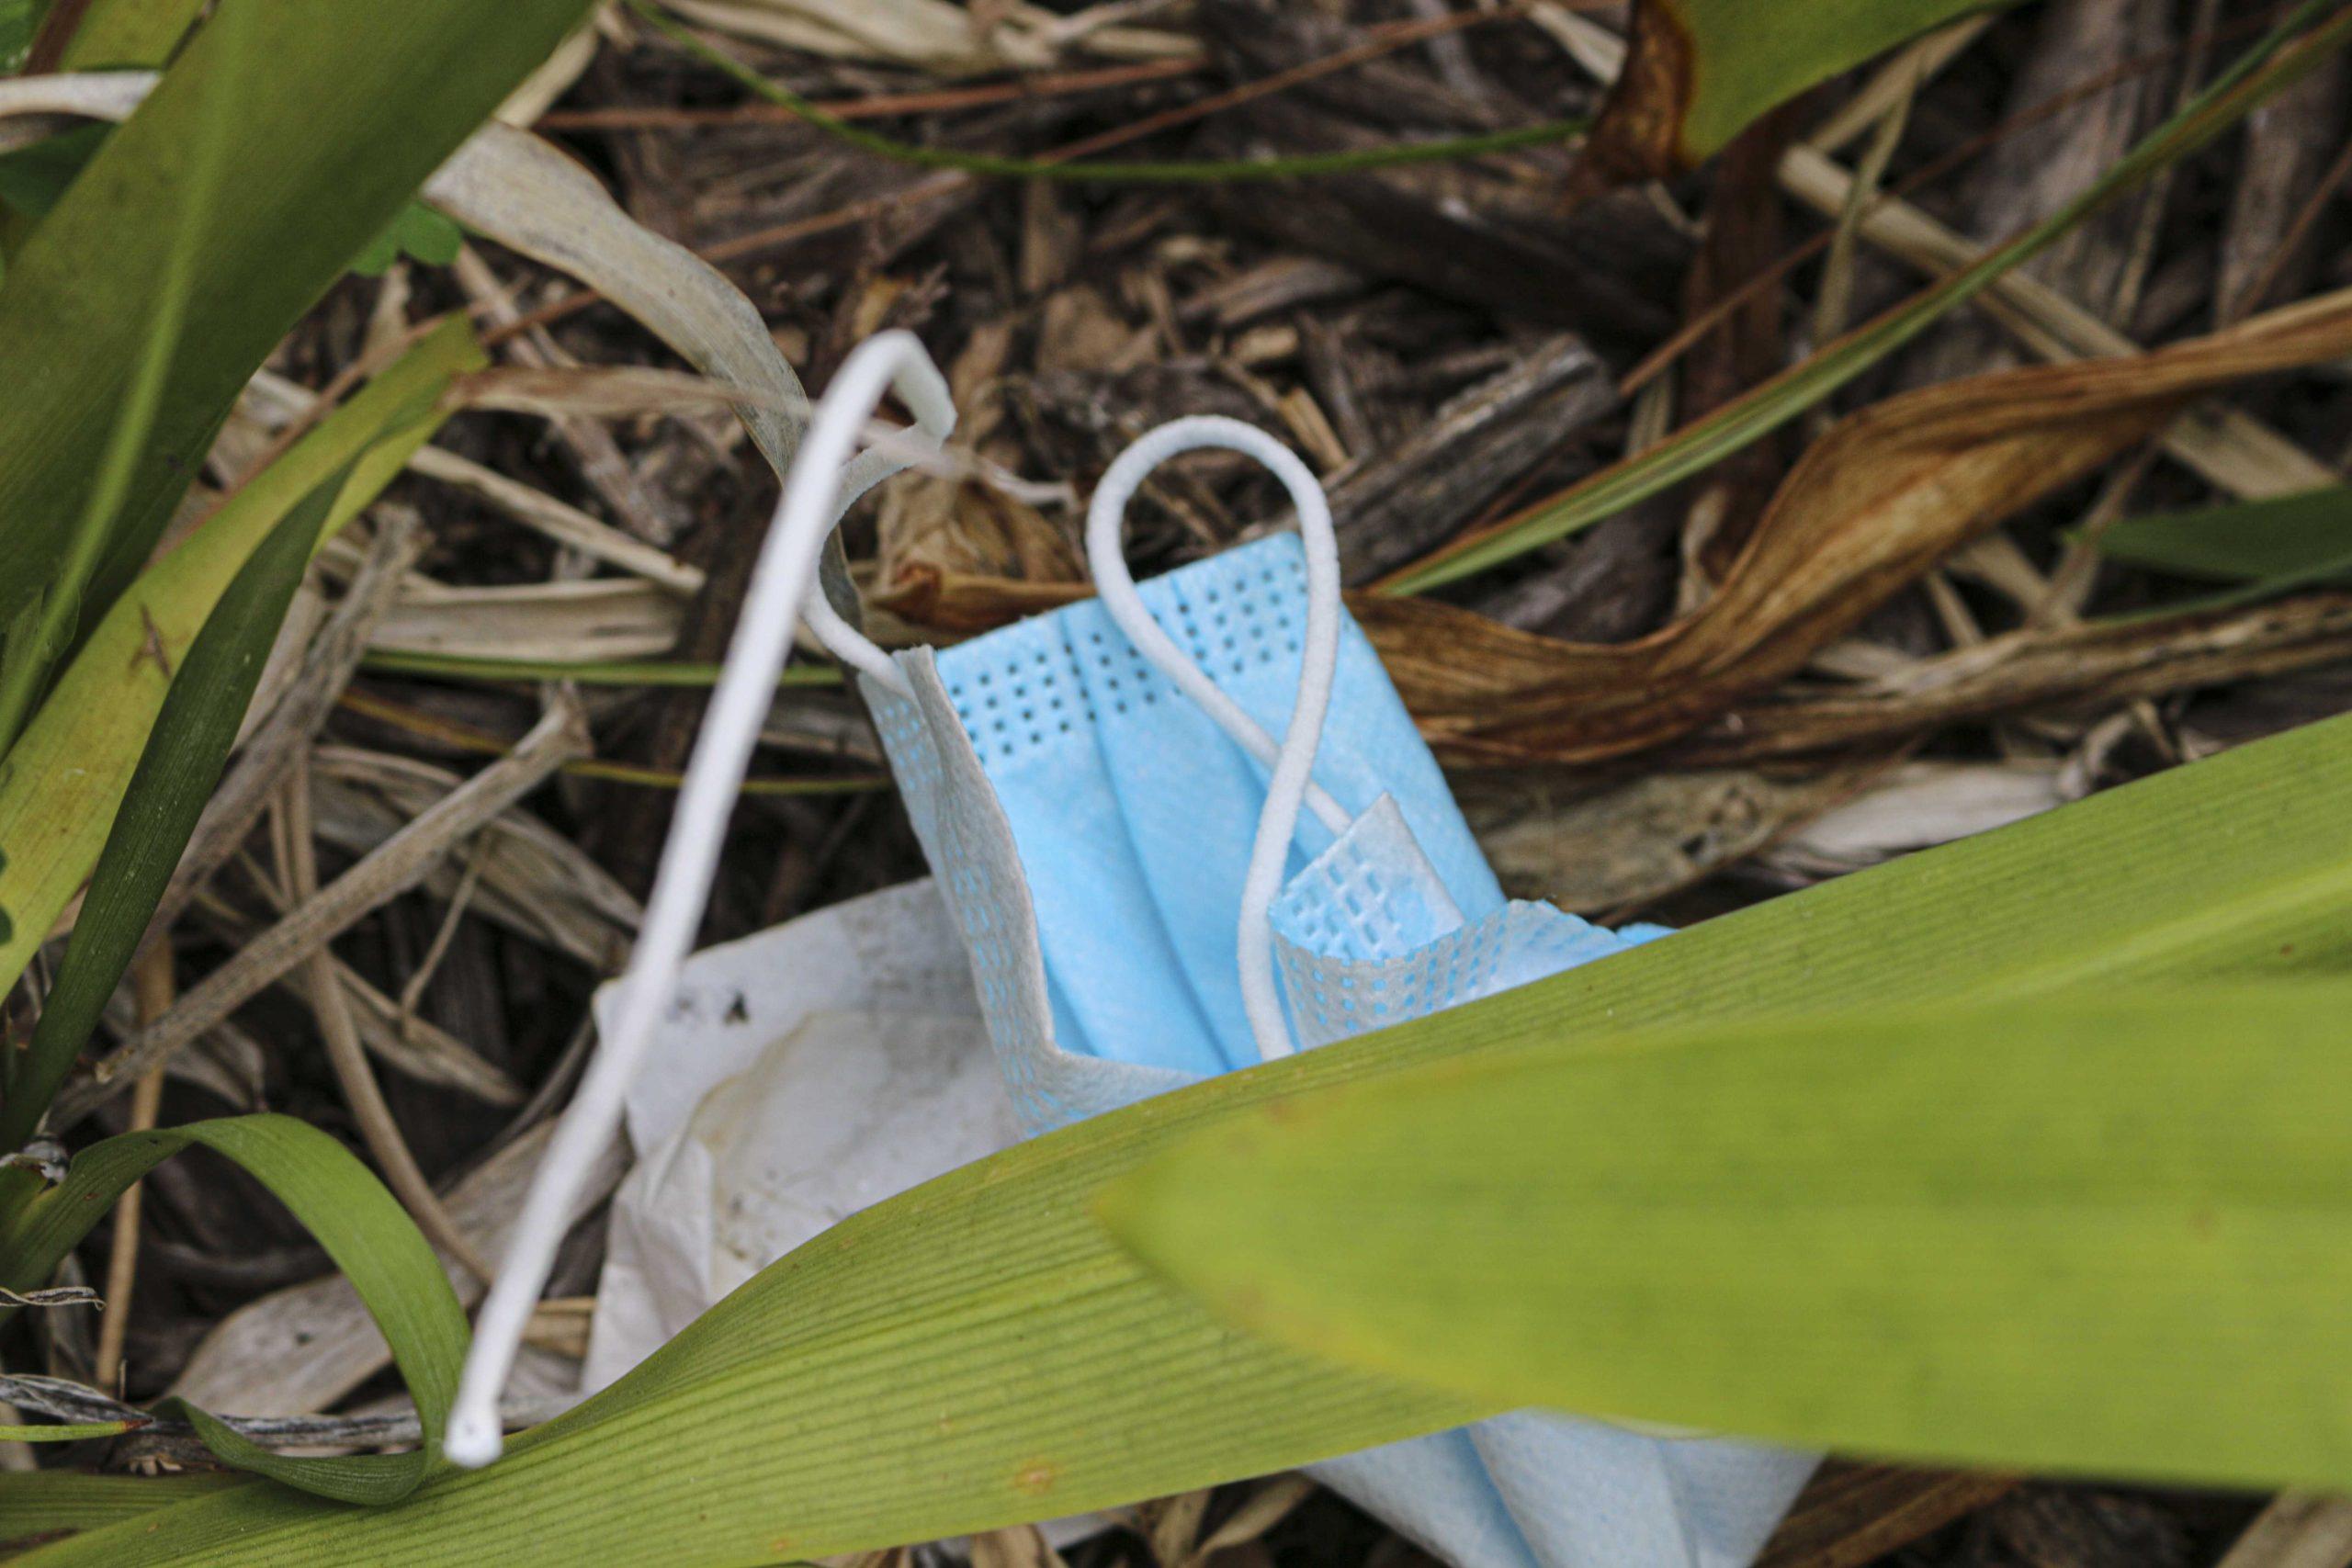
x=1885 y=494
x=2106 y=662
x=966 y=603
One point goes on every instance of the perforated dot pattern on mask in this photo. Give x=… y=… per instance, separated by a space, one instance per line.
x=1033 y=685
x=1333 y=996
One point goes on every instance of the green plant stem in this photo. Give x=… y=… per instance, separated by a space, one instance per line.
x=1178 y=172
x=586 y=671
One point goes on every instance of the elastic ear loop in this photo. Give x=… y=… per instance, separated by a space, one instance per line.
x=1293 y=783
x=823 y=483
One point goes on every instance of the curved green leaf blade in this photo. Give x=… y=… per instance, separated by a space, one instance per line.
x=1699 y=72
x=331 y=132
x=2081 y=1234
x=2267 y=547
x=116 y=33
x=36 y=642
x=62 y=782
x=1747 y=58
x=978 y=1351
x=361 y=1225
x=65 y=1432
x=177 y=770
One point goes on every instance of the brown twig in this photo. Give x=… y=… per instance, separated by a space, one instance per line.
x=298 y=865
x=2331 y=185
x=294 y=720
x=1384 y=40
x=56 y=36
x=151 y=978
x=466 y=737
x=884 y=106
x=398 y=865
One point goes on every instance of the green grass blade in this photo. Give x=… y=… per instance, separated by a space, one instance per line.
x=66 y=1431
x=587 y=672
x=16 y=33
x=1745 y=58
x=33 y=179
x=175 y=775
x=2263 y=73
x=361 y=1225
x=119 y=33
x=2091 y=1233
x=2267 y=547
x=61 y=783
x=978 y=1351
x=326 y=139
x=196 y=196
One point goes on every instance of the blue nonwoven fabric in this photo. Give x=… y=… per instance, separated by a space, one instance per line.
x=1091 y=828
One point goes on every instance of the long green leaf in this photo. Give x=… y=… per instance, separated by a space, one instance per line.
x=119 y=33
x=586 y=671
x=176 y=772
x=2261 y=74
x=65 y=1431
x=33 y=179
x=363 y=1228
x=16 y=33
x=347 y=112
x=61 y=783
x=1740 y=58
x=978 y=1351
x=2100 y=1234
x=196 y=195
x=2267 y=547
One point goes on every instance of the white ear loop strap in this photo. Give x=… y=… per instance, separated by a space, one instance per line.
x=1293 y=783
x=823 y=483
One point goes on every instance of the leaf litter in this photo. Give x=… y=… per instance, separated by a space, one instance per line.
x=1903 y=643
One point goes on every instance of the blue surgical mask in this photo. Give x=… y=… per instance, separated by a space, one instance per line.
x=1153 y=889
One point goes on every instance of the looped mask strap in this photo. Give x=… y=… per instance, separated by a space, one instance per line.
x=1293 y=783
x=823 y=481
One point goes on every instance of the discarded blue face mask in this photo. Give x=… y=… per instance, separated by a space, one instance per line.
x=1153 y=890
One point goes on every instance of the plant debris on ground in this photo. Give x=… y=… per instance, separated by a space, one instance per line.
x=2016 y=559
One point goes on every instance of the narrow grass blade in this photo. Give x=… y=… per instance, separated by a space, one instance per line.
x=327 y=135
x=1701 y=71
x=175 y=775
x=587 y=672
x=361 y=1225
x=163 y=302
x=114 y=34
x=2095 y=1233
x=61 y=783
x=2267 y=546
